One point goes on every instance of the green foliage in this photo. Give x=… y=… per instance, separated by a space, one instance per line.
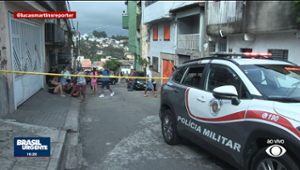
x=125 y=44
x=88 y=49
x=120 y=37
x=296 y=8
x=97 y=57
x=99 y=34
x=144 y=62
x=112 y=64
x=113 y=52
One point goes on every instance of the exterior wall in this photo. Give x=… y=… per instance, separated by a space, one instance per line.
x=224 y=15
x=133 y=42
x=263 y=42
x=161 y=9
x=7 y=104
x=249 y=17
x=145 y=45
x=161 y=46
x=265 y=16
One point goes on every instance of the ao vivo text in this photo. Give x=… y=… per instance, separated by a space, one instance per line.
x=44 y=15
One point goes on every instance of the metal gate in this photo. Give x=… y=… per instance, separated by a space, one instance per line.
x=26 y=50
x=183 y=58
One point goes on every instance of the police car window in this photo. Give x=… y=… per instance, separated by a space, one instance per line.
x=219 y=75
x=179 y=74
x=193 y=76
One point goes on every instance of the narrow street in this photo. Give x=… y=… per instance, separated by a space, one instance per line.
x=124 y=132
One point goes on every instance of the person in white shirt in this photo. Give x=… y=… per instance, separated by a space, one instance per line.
x=149 y=84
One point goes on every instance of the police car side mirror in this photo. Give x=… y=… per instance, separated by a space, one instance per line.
x=227 y=92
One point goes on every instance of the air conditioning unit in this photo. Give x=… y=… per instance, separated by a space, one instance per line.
x=49 y=31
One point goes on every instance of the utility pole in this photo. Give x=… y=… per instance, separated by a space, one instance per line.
x=77 y=44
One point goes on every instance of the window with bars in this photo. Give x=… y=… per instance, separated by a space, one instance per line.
x=279 y=54
x=155 y=63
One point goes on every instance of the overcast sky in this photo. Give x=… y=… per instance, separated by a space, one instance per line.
x=94 y=14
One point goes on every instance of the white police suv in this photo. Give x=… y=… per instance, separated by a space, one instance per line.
x=243 y=107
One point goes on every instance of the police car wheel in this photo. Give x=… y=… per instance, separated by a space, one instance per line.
x=168 y=127
x=262 y=161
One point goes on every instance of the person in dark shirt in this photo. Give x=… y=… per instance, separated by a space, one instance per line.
x=174 y=68
x=134 y=74
x=105 y=82
x=48 y=77
x=56 y=69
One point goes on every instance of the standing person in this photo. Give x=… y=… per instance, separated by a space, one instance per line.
x=133 y=82
x=149 y=84
x=122 y=79
x=71 y=72
x=81 y=82
x=174 y=68
x=64 y=79
x=94 y=82
x=126 y=75
x=105 y=82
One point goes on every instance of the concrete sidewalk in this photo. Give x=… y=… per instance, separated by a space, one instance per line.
x=42 y=115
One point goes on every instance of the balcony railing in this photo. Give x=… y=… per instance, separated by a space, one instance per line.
x=188 y=42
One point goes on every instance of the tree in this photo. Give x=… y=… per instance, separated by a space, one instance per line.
x=97 y=57
x=88 y=49
x=112 y=64
x=120 y=37
x=99 y=34
x=125 y=44
x=296 y=9
x=114 y=52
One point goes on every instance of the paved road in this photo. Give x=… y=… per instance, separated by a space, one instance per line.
x=123 y=132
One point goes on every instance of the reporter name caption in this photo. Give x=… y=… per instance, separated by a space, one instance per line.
x=32 y=147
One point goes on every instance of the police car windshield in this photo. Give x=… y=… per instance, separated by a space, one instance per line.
x=276 y=82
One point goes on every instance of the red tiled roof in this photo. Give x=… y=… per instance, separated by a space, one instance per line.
x=86 y=64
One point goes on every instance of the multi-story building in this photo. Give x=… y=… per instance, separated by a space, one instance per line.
x=131 y=21
x=58 y=38
x=174 y=33
x=190 y=31
x=254 y=26
x=23 y=48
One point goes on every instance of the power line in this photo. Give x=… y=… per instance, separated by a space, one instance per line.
x=70 y=10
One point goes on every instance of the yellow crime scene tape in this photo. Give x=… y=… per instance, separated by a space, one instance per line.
x=76 y=75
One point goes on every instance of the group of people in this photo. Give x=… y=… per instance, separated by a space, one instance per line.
x=75 y=86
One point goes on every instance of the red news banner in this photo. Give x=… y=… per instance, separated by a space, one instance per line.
x=44 y=15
